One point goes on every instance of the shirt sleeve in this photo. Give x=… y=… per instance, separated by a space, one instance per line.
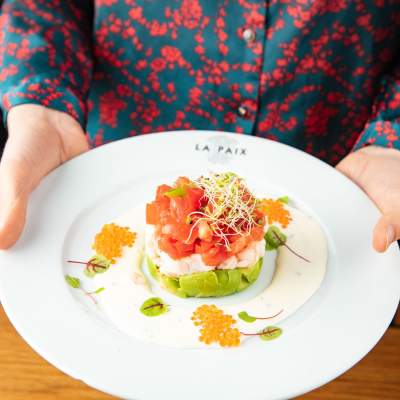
x=45 y=54
x=383 y=128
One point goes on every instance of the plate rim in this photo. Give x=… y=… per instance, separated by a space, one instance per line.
x=37 y=347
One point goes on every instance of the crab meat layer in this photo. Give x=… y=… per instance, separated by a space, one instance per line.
x=194 y=263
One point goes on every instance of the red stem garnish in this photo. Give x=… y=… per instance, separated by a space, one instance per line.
x=273 y=316
x=88 y=263
x=260 y=333
x=161 y=305
x=88 y=294
x=290 y=249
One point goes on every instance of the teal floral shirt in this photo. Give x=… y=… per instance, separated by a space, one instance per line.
x=320 y=75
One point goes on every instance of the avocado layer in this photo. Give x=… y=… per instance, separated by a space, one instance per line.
x=217 y=283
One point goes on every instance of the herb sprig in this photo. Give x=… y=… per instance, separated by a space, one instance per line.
x=289 y=248
x=96 y=265
x=244 y=316
x=268 y=333
x=153 y=307
x=76 y=283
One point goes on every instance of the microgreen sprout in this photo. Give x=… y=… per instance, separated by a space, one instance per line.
x=153 y=307
x=97 y=264
x=282 y=243
x=77 y=284
x=243 y=315
x=230 y=208
x=269 y=333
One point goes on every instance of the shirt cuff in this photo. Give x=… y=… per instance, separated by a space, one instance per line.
x=380 y=133
x=46 y=94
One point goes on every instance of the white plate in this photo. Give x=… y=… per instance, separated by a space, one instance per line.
x=329 y=334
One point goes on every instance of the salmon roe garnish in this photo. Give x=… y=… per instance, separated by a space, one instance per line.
x=216 y=327
x=275 y=211
x=111 y=239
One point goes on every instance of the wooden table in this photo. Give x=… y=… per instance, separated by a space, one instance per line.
x=25 y=375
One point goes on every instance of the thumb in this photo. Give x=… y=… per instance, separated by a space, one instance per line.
x=16 y=183
x=386 y=231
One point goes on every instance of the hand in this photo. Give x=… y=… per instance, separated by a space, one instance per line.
x=40 y=139
x=377 y=171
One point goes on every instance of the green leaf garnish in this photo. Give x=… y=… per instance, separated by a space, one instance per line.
x=96 y=265
x=284 y=199
x=72 y=281
x=271 y=333
x=180 y=191
x=225 y=178
x=274 y=238
x=153 y=307
x=99 y=290
x=246 y=317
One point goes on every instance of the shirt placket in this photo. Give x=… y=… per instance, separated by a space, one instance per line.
x=252 y=45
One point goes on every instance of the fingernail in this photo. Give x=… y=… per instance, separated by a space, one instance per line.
x=390 y=235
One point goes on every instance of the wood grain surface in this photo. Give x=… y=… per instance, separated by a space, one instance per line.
x=396 y=320
x=24 y=375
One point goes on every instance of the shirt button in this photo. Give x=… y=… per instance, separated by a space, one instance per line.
x=249 y=35
x=242 y=111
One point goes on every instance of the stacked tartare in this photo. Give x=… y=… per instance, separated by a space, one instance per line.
x=205 y=237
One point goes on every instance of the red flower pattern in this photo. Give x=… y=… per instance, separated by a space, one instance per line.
x=322 y=75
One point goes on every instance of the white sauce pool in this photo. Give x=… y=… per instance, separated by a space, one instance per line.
x=294 y=282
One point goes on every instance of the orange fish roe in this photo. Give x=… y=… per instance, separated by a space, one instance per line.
x=110 y=241
x=275 y=211
x=216 y=327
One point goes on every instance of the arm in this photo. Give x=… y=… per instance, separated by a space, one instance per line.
x=383 y=128
x=45 y=54
x=45 y=60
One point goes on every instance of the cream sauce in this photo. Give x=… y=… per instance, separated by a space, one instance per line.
x=294 y=282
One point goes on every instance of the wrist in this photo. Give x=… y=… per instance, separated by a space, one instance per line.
x=40 y=119
x=375 y=150
x=49 y=136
